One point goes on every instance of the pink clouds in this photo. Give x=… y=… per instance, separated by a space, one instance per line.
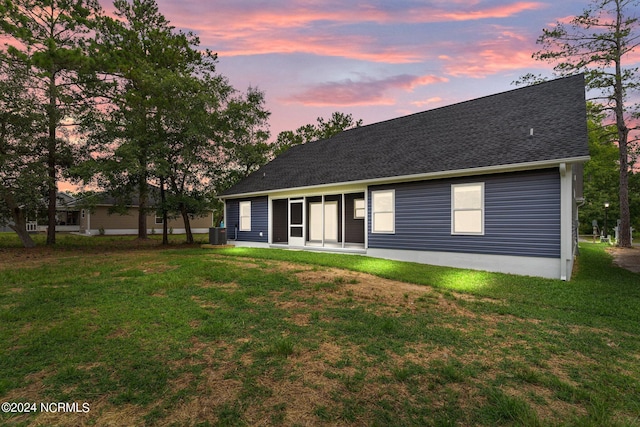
x=326 y=28
x=239 y=17
x=507 y=51
x=502 y=11
x=359 y=47
x=427 y=102
x=312 y=57
x=363 y=92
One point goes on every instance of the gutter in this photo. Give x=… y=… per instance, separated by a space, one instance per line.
x=420 y=177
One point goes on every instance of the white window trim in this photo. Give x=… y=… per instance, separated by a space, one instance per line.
x=392 y=211
x=159 y=219
x=363 y=209
x=240 y=217
x=454 y=210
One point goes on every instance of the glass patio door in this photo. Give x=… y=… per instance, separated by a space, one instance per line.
x=323 y=222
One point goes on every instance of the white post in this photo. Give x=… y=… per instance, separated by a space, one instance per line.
x=343 y=218
x=323 y=223
x=566 y=231
x=366 y=218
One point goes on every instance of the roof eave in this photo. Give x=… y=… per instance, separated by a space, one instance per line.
x=421 y=177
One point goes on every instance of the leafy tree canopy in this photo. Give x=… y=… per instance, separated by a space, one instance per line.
x=322 y=129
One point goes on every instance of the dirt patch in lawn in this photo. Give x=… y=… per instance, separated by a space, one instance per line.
x=362 y=286
x=27 y=258
x=127 y=250
x=236 y=262
x=325 y=383
x=627 y=258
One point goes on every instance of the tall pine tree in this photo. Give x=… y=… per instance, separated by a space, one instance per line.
x=600 y=42
x=141 y=55
x=48 y=38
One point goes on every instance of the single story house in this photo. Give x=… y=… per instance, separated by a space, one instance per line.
x=489 y=184
x=101 y=218
x=67 y=214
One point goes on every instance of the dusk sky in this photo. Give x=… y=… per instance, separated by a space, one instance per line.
x=374 y=59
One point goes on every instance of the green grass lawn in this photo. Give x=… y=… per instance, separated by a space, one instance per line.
x=146 y=335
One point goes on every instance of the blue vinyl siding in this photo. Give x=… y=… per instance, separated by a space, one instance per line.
x=522 y=216
x=259 y=220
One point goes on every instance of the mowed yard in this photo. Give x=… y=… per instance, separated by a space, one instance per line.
x=127 y=333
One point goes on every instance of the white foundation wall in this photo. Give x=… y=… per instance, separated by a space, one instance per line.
x=526 y=266
x=548 y=268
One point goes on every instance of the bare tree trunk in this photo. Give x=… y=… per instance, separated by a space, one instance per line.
x=165 y=227
x=19 y=217
x=623 y=135
x=21 y=231
x=143 y=194
x=624 y=232
x=52 y=192
x=187 y=224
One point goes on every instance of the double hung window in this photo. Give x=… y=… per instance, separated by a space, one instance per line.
x=245 y=216
x=383 y=211
x=358 y=209
x=467 y=209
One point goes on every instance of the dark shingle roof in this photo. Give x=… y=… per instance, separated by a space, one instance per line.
x=106 y=198
x=485 y=132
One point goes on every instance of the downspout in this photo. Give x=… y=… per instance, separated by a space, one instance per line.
x=343 y=214
x=225 y=220
x=577 y=224
x=566 y=221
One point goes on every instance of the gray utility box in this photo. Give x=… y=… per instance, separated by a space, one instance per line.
x=217 y=236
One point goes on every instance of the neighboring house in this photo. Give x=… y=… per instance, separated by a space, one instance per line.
x=32 y=227
x=67 y=214
x=488 y=184
x=75 y=215
x=101 y=218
